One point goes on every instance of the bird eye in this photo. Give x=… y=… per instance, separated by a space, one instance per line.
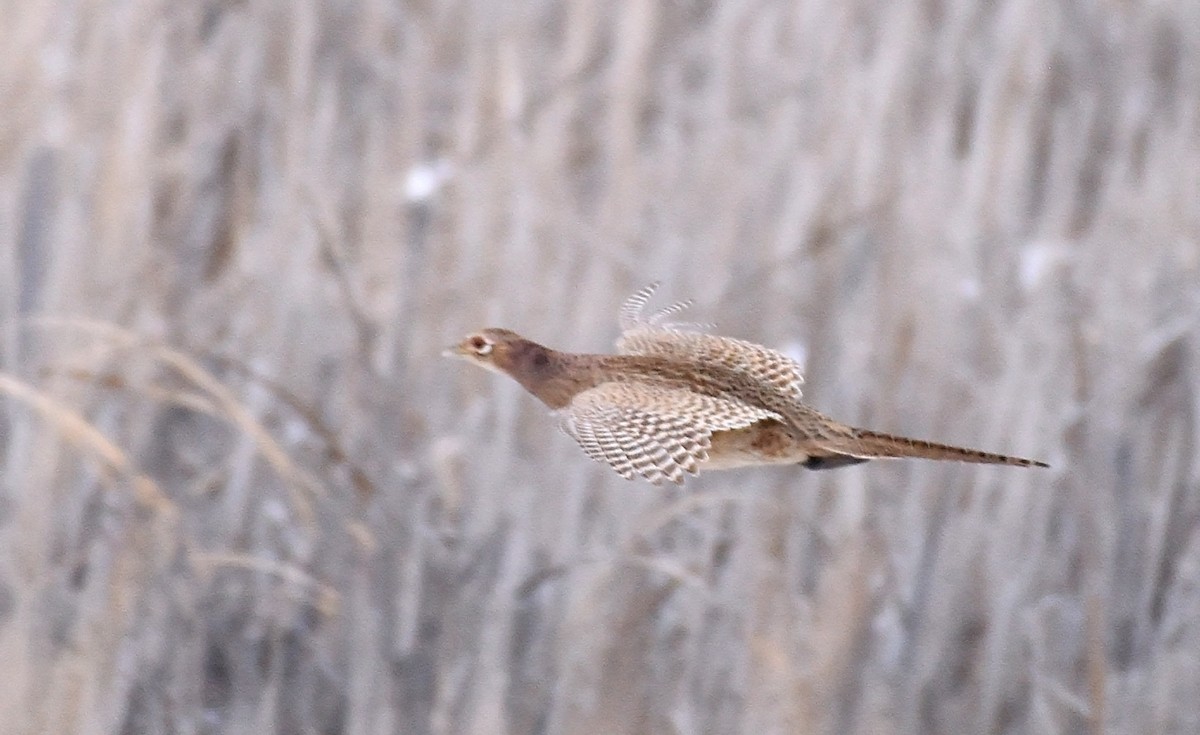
x=481 y=345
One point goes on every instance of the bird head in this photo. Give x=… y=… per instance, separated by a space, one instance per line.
x=498 y=350
x=554 y=377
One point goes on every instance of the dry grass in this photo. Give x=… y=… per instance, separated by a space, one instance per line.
x=242 y=493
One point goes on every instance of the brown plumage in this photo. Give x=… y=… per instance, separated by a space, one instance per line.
x=676 y=400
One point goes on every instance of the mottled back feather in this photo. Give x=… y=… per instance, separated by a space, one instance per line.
x=652 y=336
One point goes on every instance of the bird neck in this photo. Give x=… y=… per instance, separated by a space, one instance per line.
x=553 y=377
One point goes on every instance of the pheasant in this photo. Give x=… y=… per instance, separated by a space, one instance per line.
x=676 y=400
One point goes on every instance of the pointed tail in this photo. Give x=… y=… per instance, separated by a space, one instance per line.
x=873 y=444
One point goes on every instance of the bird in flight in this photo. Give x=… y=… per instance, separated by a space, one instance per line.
x=676 y=400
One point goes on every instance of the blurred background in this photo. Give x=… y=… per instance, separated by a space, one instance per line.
x=243 y=493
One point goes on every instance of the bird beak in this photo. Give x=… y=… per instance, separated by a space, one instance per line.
x=453 y=351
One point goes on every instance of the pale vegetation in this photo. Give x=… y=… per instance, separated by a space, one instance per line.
x=243 y=493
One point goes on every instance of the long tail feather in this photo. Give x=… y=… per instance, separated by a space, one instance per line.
x=873 y=444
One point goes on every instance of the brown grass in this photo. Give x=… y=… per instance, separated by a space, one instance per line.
x=241 y=492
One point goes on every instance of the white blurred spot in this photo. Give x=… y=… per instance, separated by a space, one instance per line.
x=424 y=180
x=890 y=635
x=1037 y=260
x=274 y=510
x=798 y=351
x=970 y=289
x=294 y=431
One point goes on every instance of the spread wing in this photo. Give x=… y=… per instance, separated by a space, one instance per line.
x=652 y=336
x=656 y=432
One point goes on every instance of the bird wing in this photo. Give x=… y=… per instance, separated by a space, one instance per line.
x=651 y=336
x=653 y=431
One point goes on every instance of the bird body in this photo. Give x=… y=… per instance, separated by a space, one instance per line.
x=676 y=400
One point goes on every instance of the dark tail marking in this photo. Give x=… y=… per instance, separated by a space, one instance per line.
x=831 y=461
